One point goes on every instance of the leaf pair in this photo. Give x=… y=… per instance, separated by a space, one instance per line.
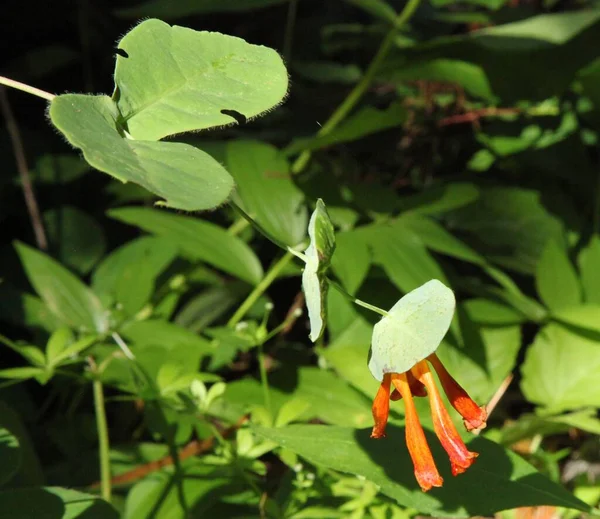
x=171 y=80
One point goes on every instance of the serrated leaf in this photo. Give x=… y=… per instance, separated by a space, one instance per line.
x=197 y=239
x=72 y=302
x=184 y=176
x=499 y=480
x=413 y=329
x=176 y=80
x=556 y=279
x=561 y=369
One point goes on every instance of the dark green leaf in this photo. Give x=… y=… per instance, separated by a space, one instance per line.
x=72 y=302
x=197 y=239
x=556 y=279
x=499 y=480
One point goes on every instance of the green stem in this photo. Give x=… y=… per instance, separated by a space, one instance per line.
x=357 y=301
x=289 y=30
x=259 y=289
x=257 y=226
x=359 y=90
x=238 y=226
x=26 y=88
x=103 y=441
x=263 y=377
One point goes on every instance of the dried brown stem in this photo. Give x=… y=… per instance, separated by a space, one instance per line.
x=19 y=152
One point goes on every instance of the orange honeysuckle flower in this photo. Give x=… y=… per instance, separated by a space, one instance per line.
x=419 y=381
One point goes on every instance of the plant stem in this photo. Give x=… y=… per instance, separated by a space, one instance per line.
x=359 y=90
x=238 y=226
x=19 y=151
x=357 y=301
x=289 y=29
x=26 y=88
x=102 y=428
x=263 y=377
x=259 y=289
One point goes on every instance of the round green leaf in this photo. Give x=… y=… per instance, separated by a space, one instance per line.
x=413 y=329
x=184 y=176
x=175 y=80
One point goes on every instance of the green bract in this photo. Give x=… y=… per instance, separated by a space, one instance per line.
x=318 y=258
x=413 y=329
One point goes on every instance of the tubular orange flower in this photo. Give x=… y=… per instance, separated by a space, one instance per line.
x=419 y=381
x=403 y=343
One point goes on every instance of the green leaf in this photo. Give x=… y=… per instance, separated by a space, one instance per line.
x=197 y=240
x=318 y=258
x=57 y=343
x=26 y=310
x=377 y=8
x=75 y=238
x=72 y=302
x=185 y=177
x=10 y=454
x=511 y=481
x=403 y=257
x=353 y=259
x=441 y=199
x=556 y=279
x=504 y=54
x=128 y=275
x=486 y=311
x=203 y=309
x=176 y=80
x=470 y=76
x=413 y=329
x=511 y=224
x=266 y=191
x=22 y=373
x=583 y=316
x=331 y=399
x=52 y=503
x=589 y=266
x=366 y=121
x=436 y=238
x=173 y=9
x=561 y=369
x=481 y=366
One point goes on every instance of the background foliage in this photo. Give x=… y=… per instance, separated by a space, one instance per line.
x=157 y=358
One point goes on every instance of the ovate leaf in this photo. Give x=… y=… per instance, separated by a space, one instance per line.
x=413 y=329
x=266 y=190
x=556 y=279
x=197 y=239
x=175 y=80
x=127 y=276
x=511 y=481
x=185 y=177
x=72 y=302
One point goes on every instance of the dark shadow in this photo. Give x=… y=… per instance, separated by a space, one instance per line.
x=30 y=502
x=122 y=53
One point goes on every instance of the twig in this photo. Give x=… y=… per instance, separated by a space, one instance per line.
x=497 y=397
x=26 y=88
x=27 y=186
x=292 y=314
x=475 y=115
x=193 y=448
